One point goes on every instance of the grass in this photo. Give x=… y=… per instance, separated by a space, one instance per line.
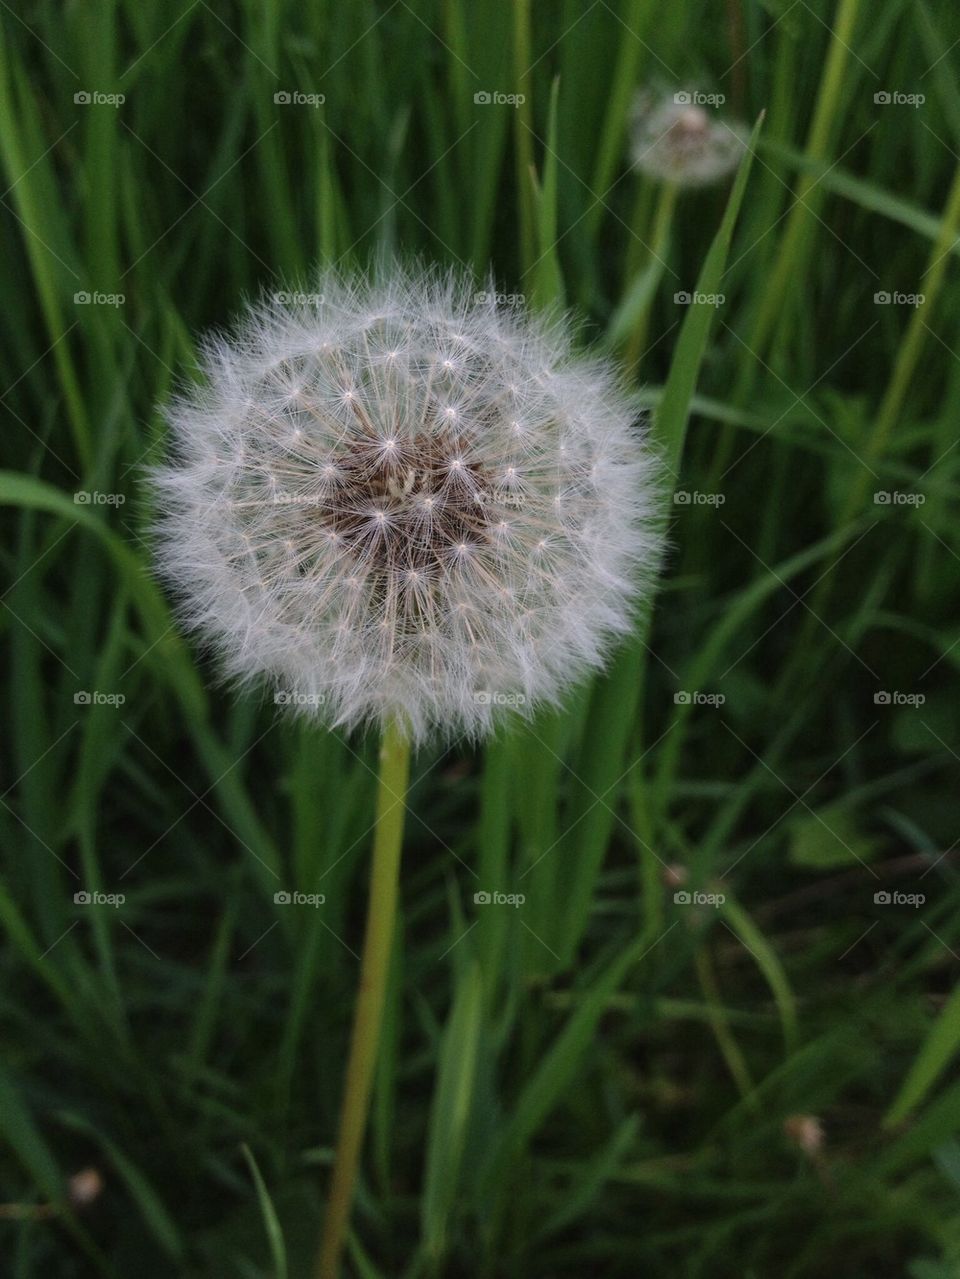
x=602 y=1079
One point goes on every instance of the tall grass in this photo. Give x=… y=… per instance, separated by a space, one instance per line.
x=604 y=1078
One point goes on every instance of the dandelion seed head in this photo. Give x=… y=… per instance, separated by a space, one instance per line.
x=682 y=142
x=454 y=505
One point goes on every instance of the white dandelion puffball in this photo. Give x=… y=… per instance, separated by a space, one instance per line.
x=676 y=140
x=395 y=498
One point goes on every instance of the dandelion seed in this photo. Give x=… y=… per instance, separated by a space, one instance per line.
x=474 y=512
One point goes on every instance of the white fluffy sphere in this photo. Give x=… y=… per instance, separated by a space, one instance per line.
x=396 y=498
x=676 y=140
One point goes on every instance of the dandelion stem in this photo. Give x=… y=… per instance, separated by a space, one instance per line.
x=523 y=133
x=374 y=970
x=660 y=240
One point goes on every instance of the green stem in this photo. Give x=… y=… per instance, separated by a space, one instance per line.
x=908 y=355
x=793 y=252
x=726 y=1040
x=523 y=131
x=888 y=414
x=639 y=222
x=623 y=85
x=660 y=237
x=374 y=971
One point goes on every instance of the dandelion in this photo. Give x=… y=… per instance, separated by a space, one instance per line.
x=406 y=505
x=679 y=145
x=675 y=140
x=410 y=508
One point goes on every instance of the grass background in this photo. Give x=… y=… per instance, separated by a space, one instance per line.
x=602 y=1080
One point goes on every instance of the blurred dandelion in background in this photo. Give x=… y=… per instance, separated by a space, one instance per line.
x=679 y=138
